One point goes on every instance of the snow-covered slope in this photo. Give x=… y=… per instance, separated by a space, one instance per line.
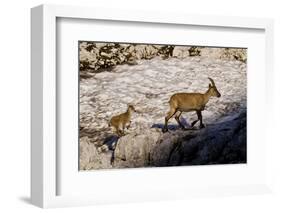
x=148 y=85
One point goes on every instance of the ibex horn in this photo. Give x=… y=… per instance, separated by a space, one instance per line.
x=212 y=81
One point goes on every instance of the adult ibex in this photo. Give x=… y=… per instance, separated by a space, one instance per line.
x=187 y=102
x=119 y=122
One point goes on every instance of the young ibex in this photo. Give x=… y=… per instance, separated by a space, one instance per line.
x=186 y=102
x=119 y=122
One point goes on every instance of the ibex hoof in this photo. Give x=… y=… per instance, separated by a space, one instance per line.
x=193 y=123
x=164 y=130
x=202 y=126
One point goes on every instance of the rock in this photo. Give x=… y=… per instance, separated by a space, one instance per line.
x=234 y=54
x=194 y=51
x=134 y=150
x=180 y=52
x=145 y=51
x=102 y=56
x=106 y=55
x=91 y=158
x=222 y=142
x=85 y=75
x=132 y=61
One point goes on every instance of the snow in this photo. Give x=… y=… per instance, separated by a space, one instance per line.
x=149 y=85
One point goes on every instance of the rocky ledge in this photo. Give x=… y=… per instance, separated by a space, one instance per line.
x=223 y=142
x=98 y=57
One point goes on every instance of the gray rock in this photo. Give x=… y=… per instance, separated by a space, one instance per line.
x=102 y=56
x=181 y=52
x=222 y=142
x=91 y=158
x=134 y=150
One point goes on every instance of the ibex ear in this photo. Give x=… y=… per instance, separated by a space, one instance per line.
x=210 y=85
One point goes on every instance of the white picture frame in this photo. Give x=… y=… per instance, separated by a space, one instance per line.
x=44 y=154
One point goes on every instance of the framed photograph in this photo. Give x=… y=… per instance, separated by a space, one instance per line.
x=129 y=106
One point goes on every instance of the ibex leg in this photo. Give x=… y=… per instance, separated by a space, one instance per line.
x=199 y=114
x=194 y=122
x=118 y=131
x=169 y=115
x=177 y=117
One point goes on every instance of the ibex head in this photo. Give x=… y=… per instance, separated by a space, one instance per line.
x=213 y=89
x=131 y=108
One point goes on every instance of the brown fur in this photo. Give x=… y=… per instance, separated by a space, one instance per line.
x=122 y=121
x=187 y=102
